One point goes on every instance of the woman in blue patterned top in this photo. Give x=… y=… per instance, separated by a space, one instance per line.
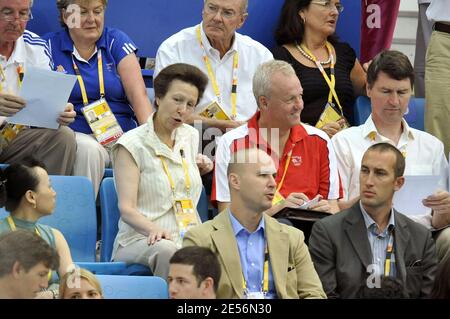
x=106 y=66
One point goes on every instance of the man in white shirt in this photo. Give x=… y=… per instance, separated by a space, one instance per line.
x=20 y=49
x=390 y=80
x=227 y=57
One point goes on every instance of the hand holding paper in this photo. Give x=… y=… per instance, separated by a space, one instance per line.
x=67 y=117
x=312 y=202
x=10 y=104
x=46 y=94
x=409 y=200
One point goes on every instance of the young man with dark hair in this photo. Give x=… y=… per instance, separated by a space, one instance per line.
x=371 y=240
x=25 y=262
x=194 y=273
x=390 y=79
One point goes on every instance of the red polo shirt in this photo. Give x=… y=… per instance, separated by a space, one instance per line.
x=312 y=169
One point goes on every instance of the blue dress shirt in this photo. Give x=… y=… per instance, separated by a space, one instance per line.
x=379 y=242
x=251 y=252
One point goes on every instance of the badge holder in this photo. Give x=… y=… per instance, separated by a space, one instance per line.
x=186 y=215
x=254 y=295
x=102 y=122
x=215 y=110
x=329 y=115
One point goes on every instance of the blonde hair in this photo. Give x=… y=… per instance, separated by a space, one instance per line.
x=82 y=274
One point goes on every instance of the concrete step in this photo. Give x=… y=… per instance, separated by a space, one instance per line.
x=406 y=25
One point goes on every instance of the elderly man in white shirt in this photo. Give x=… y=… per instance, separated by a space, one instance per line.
x=227 y=57
x=20 y=49
x=390 y=80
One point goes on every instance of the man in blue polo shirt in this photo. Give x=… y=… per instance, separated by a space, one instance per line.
x=105 y=63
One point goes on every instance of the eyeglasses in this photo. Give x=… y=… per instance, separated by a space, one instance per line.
x=329 y=5
x=224 y=13
x=10 y=16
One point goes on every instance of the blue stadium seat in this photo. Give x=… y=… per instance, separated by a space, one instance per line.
x=109 y=172
x=202 y=206
x=75 y=217
x=133 y=287
x=110 y=219
x=414 y=117
x=162 y=18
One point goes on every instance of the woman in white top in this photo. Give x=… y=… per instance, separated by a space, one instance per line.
x=157 y=168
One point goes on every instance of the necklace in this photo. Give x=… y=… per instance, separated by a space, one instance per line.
x=306 y=55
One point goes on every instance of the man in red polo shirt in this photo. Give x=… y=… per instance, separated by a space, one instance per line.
x=307 y=166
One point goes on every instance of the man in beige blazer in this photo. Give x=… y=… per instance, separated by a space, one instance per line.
x=242 y=234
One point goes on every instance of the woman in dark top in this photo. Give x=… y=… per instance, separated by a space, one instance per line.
x=305 y=38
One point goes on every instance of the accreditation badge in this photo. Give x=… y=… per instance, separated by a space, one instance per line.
x=186 y=215
x=102 y=122
x=254 y=295
x=215 y=110
x=331 y=114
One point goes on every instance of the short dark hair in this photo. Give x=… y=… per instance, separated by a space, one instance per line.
x=441 y=288
x=183 y=72
x=290 y=27
x=204 y=261
x=16 y=180
x=394 y=63
x=27 y=248
x=390 y=288
x=399 y=168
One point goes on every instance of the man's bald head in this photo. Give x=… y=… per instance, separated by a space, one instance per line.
x=251 y=179
x=241 y=159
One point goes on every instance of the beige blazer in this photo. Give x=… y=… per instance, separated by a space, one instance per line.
x=293 y=270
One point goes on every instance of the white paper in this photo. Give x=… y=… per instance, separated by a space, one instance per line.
x=46 y=93
x=408 y=200
x=312 y=202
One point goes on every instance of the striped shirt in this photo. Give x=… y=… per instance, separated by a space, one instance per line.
x=379 y=242
x=154 y=198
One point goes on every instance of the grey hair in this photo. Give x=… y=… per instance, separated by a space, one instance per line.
x=245 y=5
x=262 y=80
